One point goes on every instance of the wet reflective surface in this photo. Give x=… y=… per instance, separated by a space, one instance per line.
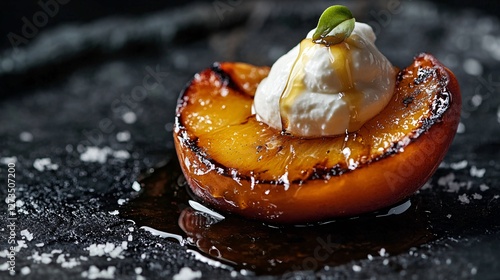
x=165 y=208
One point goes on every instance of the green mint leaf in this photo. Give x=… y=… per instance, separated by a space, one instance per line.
x=334 y=26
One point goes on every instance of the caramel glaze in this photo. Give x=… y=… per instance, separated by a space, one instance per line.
x=264 y=192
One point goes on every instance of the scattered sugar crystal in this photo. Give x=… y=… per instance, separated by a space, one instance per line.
x=244 y=272
x=453 y=187
x=448 y=216
x=121 y=201
x=476 y=100
x=445 y=180
x=116 y=253
x=95 y=273
x=464 y=199
x=61 y=259
x=21 y=244
x=123 y=136
x=461 y=128
x=443 y=165
x=121 y=154
x=136 y=186
x=475 y=172
x=95 y=154
x=483 y=187
x=42 y=164
x=130 y=238
x=26 y=234
x=19 y=203
x=44 y=258
x=26 y=136
x=7 y=160
x=473 y=271
x=459 y=165
x=469 y=185
x=108 y=249
x=477 y=196
x=356 y=268
x=4 y=266
x=114 y=213
x=138 y=270
x=129 y=117
x=39 y=244
x=473 y=67
x=70 y=263
x=382 y=252
x=187 y=274
x=25 y=270
x=96 y=250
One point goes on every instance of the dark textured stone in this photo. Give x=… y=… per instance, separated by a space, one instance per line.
x=76 y=87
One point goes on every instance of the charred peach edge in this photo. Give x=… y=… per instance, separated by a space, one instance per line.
x=390 y=178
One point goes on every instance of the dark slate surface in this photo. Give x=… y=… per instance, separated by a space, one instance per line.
x=72 y=89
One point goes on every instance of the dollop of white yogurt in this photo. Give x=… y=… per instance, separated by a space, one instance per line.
x=317 y=90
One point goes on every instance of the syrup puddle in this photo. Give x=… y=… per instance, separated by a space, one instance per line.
x=165 y=208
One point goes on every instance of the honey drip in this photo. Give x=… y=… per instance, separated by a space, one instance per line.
x=341 y=62
x=295 y=83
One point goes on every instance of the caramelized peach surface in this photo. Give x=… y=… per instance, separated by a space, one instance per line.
x=238 y=164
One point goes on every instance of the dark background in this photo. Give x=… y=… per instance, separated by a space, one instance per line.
x=59 y=87
x=81 y=12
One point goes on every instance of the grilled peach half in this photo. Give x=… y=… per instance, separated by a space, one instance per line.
x=235 y=163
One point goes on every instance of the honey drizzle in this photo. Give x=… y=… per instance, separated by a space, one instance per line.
x=295 y=83
x=341 y=62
